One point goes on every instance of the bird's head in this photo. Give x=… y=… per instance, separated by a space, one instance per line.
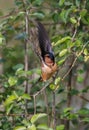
x=49 y=58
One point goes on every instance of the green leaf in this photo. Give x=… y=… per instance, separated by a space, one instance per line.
x=74 y=92
x=85 y=51
x=42 y=127
x=52 y=86
x=85 y=90
x=55 y=16
x=80 y=71
x=37 y=2
x=26 y=96
x=63 y=40
x=12 y=81
x=60 y=90
x=68 y=109
x=83 y=12
x=6 y=84
x=60 y=127
x=37 y=116
x=67 y=114
x=26 y=122
x=85 y=21
x=84 y=111
x=86 y=120
x=61 y=61
x=20 y=128
x=10 y=99
x=64 y=15
x=38 y=15
x=73 y=116
x=63 y=52
x=20 y=72
x=9 y=108
x=73 y=20
x=57 y=80
x=61 y=2
x=32 y=127
x=18 y=66
x=80 y=79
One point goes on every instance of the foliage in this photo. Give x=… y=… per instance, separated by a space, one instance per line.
x=25 y=102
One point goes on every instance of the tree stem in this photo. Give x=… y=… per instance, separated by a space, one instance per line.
x=26 y=56
x=67 y=122
x=54 y=111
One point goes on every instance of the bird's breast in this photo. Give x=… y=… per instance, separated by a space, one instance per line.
x=48 y=71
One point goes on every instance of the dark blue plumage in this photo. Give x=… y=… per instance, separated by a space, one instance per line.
x=44 y=42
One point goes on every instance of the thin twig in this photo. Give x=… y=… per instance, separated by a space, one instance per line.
x=34 y=98
x=75 y=61
x=85 y=99
x=14 y=115
x=43 y=88
x=75 y=32
x=36 y=94
x=76 y=29
x=8 y=15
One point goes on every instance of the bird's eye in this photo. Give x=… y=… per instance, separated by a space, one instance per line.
x=48 y=56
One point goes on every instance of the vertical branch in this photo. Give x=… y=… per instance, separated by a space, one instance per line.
x=47 y=106
x=54 y=111
x=69 y=89
x=34 y=98
x=26 y=51
x=67 y=122
x=1 y=69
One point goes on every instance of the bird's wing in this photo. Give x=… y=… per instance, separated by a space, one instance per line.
x=44 y=41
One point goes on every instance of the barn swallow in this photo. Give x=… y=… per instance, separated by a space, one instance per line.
x=48 y=65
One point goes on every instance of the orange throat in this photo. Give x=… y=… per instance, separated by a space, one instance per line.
x=48 y=70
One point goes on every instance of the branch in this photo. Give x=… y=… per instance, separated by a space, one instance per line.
x=9 y=14
x=43 y=88
x=36 y=94
x=75 y=61
x=34 y=97
x=54 y=111
x=87 y=100
x=76 y=29
x=14 y=115
x=26 y=52
x=47 y=105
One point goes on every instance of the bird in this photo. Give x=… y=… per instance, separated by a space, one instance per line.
x=48 y=64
